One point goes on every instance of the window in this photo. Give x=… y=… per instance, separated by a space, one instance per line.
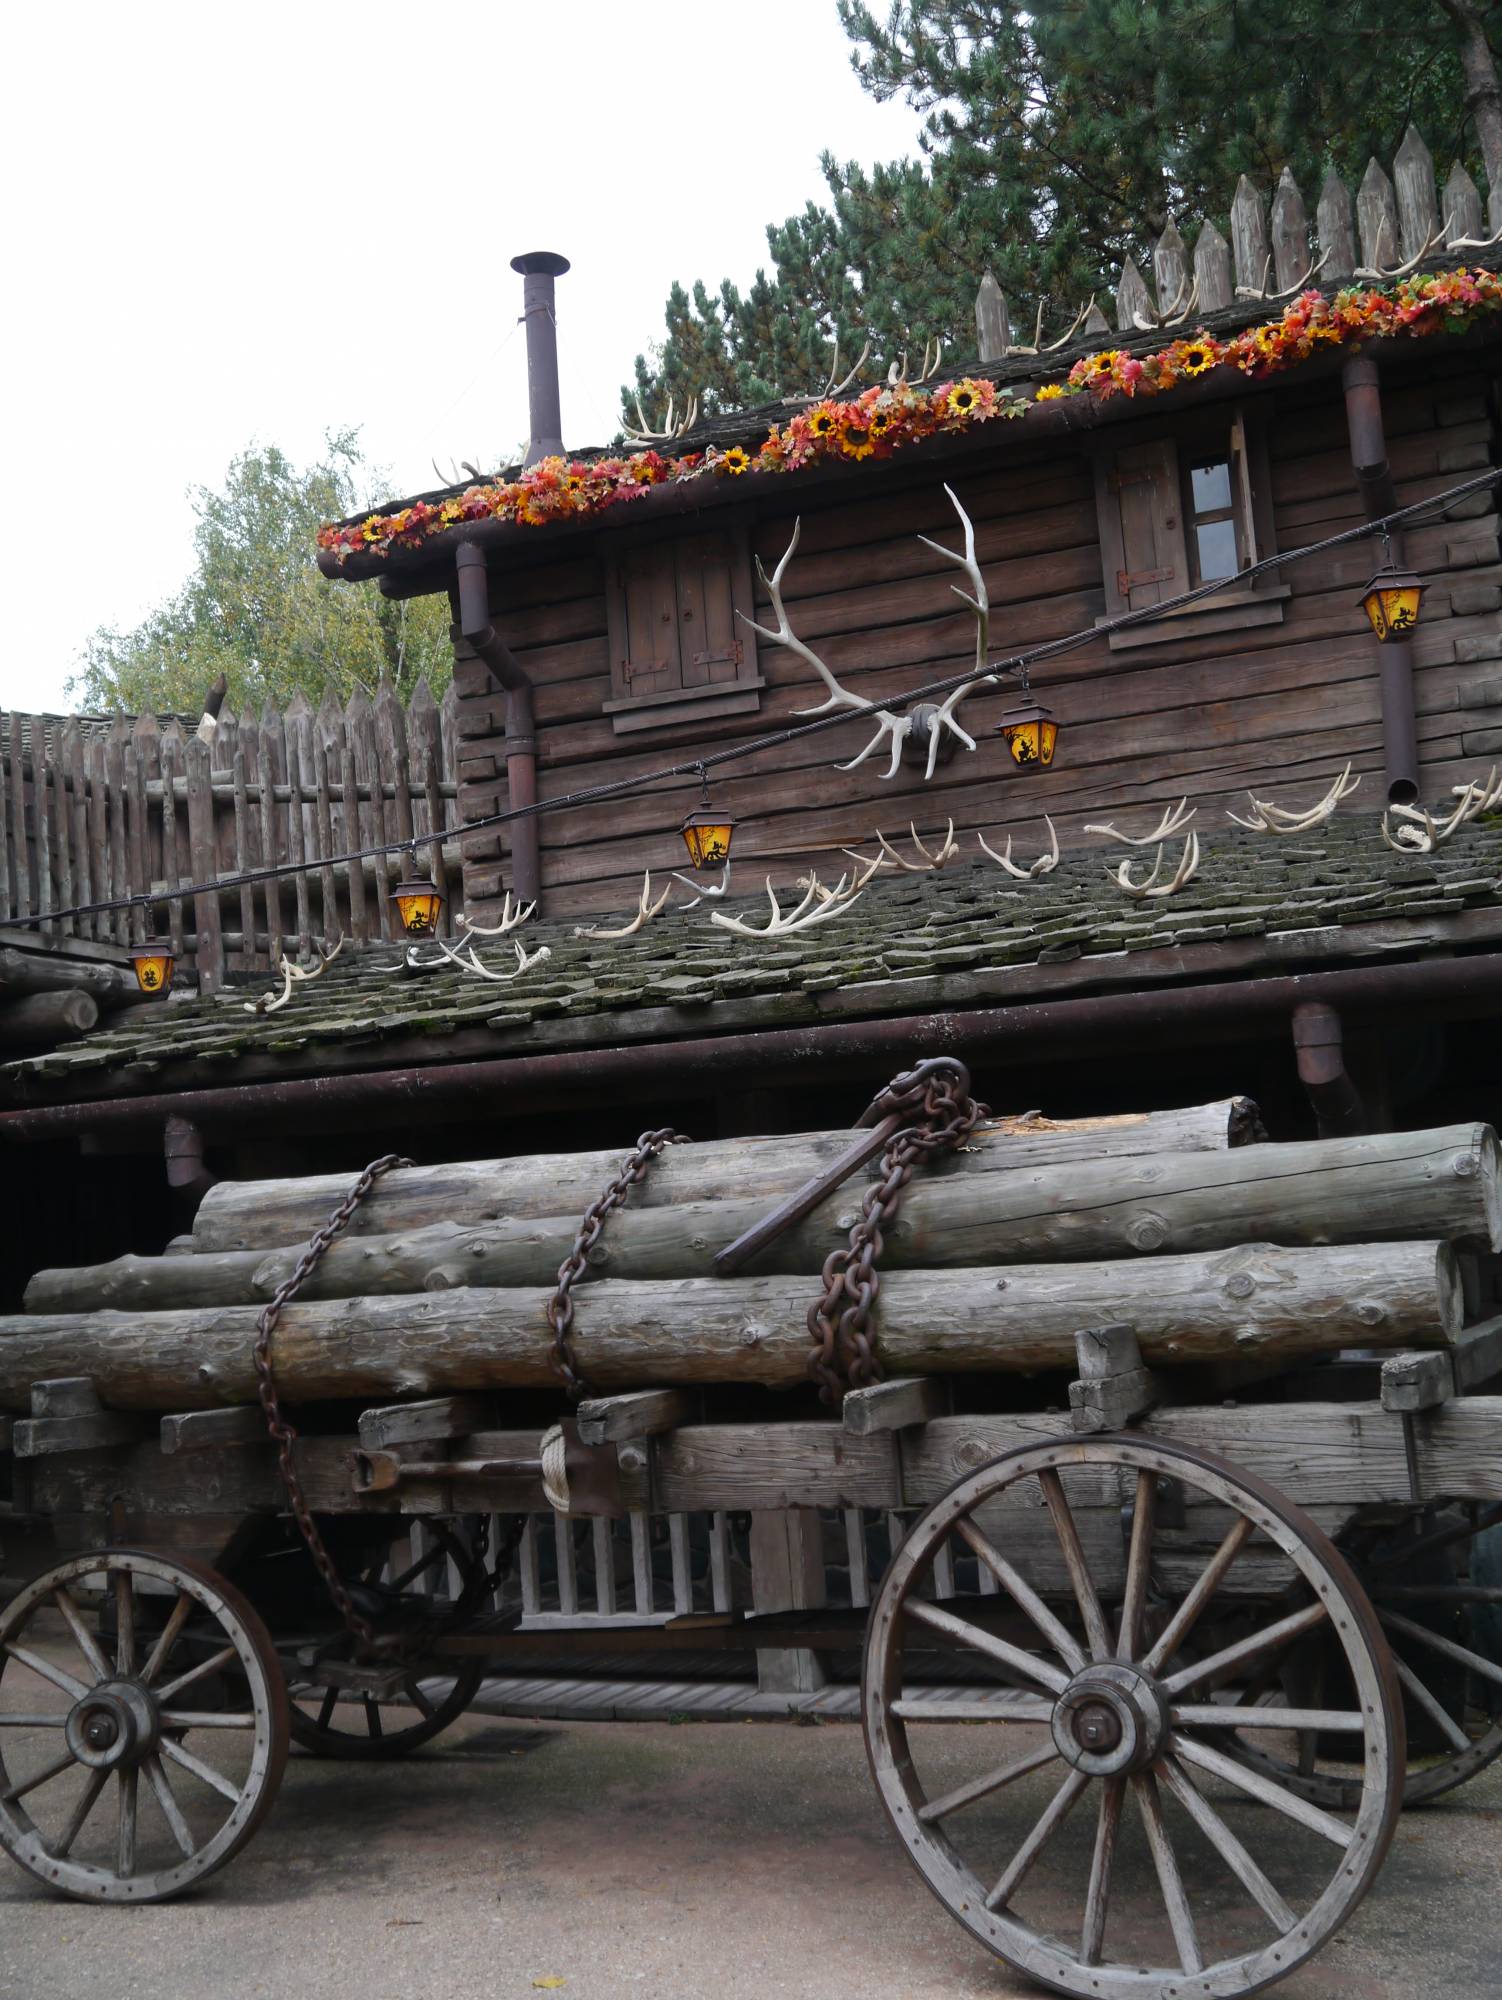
x=1179 y=511
x=678 y=653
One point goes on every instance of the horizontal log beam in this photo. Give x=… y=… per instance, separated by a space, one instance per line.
x=243 y=1215
x=1252 y=1301
x=42 y=1020
x=1440 y=1185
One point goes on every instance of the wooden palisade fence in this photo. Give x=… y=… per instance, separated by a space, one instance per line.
x=1394 y=222
x=92 y=810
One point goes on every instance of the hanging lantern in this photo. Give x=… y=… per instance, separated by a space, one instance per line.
x=416 y=899
x=1030 y=733
x=706 y=833
x=153 y=962
x=1391 y=601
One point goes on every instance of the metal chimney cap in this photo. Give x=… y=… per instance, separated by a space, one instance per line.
x=540 y=262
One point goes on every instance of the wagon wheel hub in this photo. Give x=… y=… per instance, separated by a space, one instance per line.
x=114 y=1727
x=1110 y=1720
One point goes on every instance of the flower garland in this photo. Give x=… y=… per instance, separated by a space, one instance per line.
x=882 y=419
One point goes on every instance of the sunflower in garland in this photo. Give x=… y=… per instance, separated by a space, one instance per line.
x=1104 y=363
x=1198 y=358
x=855 y=436
x=881 y=424
x=1268 y=341
x=823 y=423
x=735 y=460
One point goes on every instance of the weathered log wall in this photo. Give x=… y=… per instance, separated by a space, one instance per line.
x=1278 y=706
x=1393 y=1187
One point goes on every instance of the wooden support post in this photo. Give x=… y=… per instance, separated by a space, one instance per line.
x=441 y=1417
x=787 y=1574
x=207 y=1430
x=66 y=1415
x=1113 y=1387
x=892 y=1406
x=638 y=1414
x=1420 y=1381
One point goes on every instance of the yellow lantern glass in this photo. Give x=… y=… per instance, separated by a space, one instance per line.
x=1391 y=601
x=707 y=836
x=1030 y=733
x=417 y=903
x=153 y=964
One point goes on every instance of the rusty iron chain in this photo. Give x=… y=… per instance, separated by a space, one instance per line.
x=283 y=1431
x=936 y=1098
x=561 y=1304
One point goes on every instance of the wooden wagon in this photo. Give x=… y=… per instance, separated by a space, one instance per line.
x=1161 y=1621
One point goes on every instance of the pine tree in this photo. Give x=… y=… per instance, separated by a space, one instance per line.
x=1058 y=137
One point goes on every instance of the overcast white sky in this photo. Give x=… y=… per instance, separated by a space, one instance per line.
x=262 y=222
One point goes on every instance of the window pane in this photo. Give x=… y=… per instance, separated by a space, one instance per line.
x=1212 y=487
x=1217 y=549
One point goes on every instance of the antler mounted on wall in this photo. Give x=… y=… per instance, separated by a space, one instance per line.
x=925 y=723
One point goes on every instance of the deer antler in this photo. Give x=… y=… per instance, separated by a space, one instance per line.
x=1186 y=871
x=1378 y=270
x=645 y=912
x=511 y=920
x=1298 y=285
x=929 y=865
x=701 y=890
x=1268 y=818
x=272 y=1003
x=1173 y=818
x=644 y=434
x=469 y=961
x=831 y=386
x=818 y=903
x=1044 y=865
x=1421 y=834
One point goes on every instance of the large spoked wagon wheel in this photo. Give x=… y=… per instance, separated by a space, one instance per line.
x=143 y=1726
x=1099 y=1673
x=1436 y=1586
x=345 y=1722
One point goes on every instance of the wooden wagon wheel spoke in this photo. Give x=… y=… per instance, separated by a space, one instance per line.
x=167 y=1638
x=1026 y=1598
x=1191 y=1751
x=1435 y=1709
x=992 y=1834
x=122 y=1725
x=981 y=1641
x=1046 y=1826
x=437 y=1553
x=327 y=1706
x=83 y=1638
x=418 y=1696
x=1170 y=1881
x=1262 y=1892
x=1209 y=1580
x=1074 y=1561
x=1489 y=1670
x=1098 y=1895
x=1268 y=1640
x=984 y=1786
x=373 y=1716
x=156 y=1777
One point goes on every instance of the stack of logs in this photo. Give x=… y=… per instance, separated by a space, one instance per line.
x=1211 y=1248
x=45 y=1000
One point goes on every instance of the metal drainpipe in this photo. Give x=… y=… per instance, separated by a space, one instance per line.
x=1394 y=656
x=538 y=269
x=1338 y=1110
x=521 y=725
x=187 y=1174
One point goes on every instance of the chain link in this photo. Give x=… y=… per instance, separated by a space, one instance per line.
x=283 y=1432
x=561 y=1304
x=944 y=1114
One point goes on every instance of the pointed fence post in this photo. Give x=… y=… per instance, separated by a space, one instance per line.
x=171 y=745
x=1134 y=307
x=1462 y=205
x=1335 y=224
x=273 y=765
x=360 y=720
x=1418 y=214
x=1171 y=271
x=1249 y=240
x=203 y=866
x=992 y=326
x=1094 y=323
x=1290 y=232
x=1377 y=219
x=1212 y=270
x=19 y=851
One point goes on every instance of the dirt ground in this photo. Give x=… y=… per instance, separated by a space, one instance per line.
x=735 y=1861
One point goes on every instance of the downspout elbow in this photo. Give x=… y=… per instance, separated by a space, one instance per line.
x=475 y=623
x=1320 y=1053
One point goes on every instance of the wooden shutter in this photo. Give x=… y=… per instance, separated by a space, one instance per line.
x=1142 y=528
x=678 y=652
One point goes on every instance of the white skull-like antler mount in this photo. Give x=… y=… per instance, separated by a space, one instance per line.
x=1044 y=865
x=646 y=910
x=1420 y=833
x=1186 y=871
x=1173 y=818
x=888 y=857
x=818 y=903
x=273 y=1003
x=1268 y=818
x=925 y=720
